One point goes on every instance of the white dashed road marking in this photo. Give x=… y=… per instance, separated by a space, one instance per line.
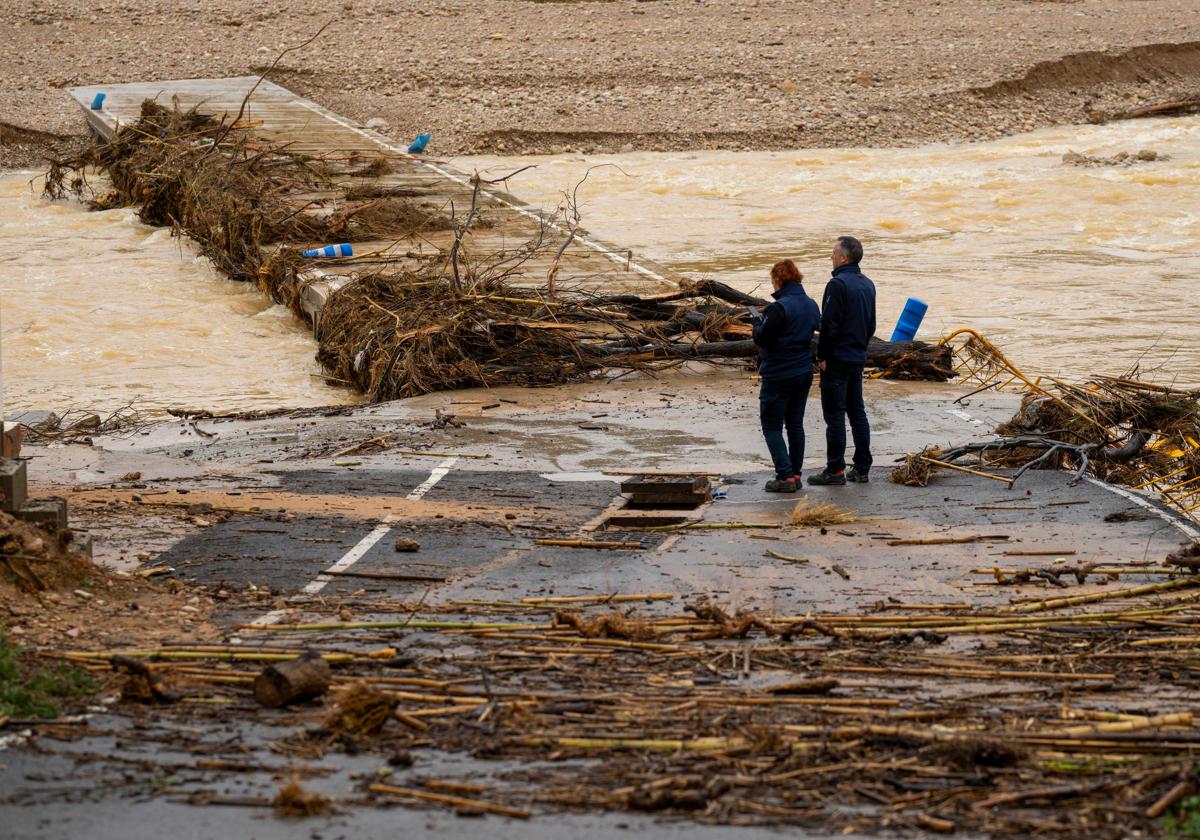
x=365 y=544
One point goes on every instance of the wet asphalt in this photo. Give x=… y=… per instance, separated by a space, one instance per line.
x=476 y=526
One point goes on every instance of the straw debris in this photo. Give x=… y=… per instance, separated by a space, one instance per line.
x=359 y=710
x=293 y=800
x=809 y=513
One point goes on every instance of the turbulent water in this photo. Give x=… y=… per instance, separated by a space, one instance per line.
x=97 y=309
x=1071 y=270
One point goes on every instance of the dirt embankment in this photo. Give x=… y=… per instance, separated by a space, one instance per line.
x=517 y=76
x=54 y=598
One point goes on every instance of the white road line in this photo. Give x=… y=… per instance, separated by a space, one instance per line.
x=458 y=179
x=365 y=544
x=1170 y=519
x=962 y=415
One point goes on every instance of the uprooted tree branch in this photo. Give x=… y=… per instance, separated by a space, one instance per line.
x=437 y=321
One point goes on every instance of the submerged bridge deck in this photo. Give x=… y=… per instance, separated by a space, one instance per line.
x=279 y=116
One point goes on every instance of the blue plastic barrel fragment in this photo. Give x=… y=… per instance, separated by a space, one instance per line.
x=341 y=250
x=910 y=320
x=98 y=101
x=418 y=145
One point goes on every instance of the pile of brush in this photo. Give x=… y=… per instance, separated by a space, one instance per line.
x=392 y=330
x=1119 y=429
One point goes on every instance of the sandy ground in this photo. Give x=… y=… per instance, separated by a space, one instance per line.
x=521 y=76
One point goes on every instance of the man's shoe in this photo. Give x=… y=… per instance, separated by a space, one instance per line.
x=858 y=477
x=825 y=477
x=777 y=485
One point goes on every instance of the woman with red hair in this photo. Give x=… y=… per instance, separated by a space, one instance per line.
x=784 y=336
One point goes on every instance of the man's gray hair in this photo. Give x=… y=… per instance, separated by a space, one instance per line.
x=851 y=249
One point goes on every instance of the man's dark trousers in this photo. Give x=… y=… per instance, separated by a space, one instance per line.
x=781 y=403
x=842 y=397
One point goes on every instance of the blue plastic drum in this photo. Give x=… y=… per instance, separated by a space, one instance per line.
x=98 y=102
x=342 y=250
x=910 y=320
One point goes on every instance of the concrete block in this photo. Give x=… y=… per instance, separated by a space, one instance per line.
x=12 y=485
x=81 y=543
x=50 y=513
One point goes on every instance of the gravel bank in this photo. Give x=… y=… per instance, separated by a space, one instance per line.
x=515 y=76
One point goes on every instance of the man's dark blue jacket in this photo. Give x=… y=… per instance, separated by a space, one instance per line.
x=847 y=316
x=784 y=334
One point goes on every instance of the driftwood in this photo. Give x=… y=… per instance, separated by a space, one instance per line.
x=293 y=681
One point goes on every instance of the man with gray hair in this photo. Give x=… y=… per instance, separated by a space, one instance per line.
x=847 y=324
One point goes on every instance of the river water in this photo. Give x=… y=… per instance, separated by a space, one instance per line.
x=97 y=309
x=1070 y=270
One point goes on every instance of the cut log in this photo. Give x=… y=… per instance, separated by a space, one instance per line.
x=293 y=681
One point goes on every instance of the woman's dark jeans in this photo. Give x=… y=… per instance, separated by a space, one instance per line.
x=842 y=398
x=781 y=403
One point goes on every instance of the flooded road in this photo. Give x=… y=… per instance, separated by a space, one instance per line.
x=98 y=309
x=1069 y=269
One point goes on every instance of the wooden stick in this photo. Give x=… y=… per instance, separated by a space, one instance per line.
x=950 y=540
x=604 y=599
x=957 y=468
x=609 y=544
x=942 y=826
x=1179 y=719
x=392 y=625
x=967 y=672
x=1038 y=553
x=1055 y=603
x=786 y=557
x=1170 y=798
x=447 y=799
x=389 y=576
x=653 y=744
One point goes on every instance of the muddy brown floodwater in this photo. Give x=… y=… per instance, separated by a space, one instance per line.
x=99 y=309
x=1070 y=269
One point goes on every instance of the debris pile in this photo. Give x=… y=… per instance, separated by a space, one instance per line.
x=1119 y=429
x=974 y=719
x=399 y=328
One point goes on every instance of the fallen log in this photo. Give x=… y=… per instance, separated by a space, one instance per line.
x=898 y=359
x=293 y=681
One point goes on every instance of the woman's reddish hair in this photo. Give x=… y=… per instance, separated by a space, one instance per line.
x=786 y=272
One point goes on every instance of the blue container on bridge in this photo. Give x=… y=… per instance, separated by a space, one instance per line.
x=341 y=250
x=910 y=320
x=98 y=102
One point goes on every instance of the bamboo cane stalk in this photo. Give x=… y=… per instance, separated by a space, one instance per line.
x=447 y=799
x=1074 y=600
x=957 y=468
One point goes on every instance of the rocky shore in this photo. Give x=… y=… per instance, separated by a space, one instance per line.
x=520 y=76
